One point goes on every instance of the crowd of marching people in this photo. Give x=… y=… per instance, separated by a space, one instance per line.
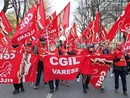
x=36 y=35
x=121 y=62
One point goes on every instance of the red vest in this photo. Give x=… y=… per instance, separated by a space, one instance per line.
x=119 y=54
x=120 y=63
x=42 y=51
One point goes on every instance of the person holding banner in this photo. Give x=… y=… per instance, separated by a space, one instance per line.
x=120 y=68
x=26 y=64
x=65 y=51
x=105 y=50
x=88 y=68
x=41 y=50
x=17 y=49
x=78 y=51
x=53 y=50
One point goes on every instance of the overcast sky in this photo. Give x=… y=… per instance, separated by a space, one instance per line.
x=1 y=4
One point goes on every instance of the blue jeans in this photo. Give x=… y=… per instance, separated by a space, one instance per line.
x=122 y=74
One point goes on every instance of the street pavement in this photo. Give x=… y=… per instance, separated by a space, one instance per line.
x=74 y=91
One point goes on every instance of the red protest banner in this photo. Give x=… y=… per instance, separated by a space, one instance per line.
x=99 y=75
x=100 y=68
x=62 y=67
x=24 y=70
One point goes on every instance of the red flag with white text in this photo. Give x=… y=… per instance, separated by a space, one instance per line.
x=99 y=74
x=5 y=26
x=119 y=23
x=126 y=46
x=52 y=31
x=27 y=27
x=24 y=70
x=101 y=64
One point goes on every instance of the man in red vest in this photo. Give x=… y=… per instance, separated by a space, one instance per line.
x=41 y=50
x=120 y=68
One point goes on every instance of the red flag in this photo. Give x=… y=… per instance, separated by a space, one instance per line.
x=52 y=30
x=101 y=64
x=41 y=16
x=87 y=33
x=66 y=16
x=126 y=46
x=72 y=44
x=126 y=28
x=119 y=23
x=70 y=38
x=5 y=26
x=99 y=37
x=50 y=18
x=5 y=43
x=73 y=31
x=99 y=74
x=11 y=73
x=103 y=34
x=97 y=23
x=27 y=27
x=72 y=34
x=63 y=17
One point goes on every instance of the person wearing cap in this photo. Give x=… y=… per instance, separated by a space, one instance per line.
x=120 y=68
x=41 y=50
x=28 y=47
x=53 y=50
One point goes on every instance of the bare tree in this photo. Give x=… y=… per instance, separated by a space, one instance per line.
x=6 y=3
x=109 y=12
x=21 y=7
